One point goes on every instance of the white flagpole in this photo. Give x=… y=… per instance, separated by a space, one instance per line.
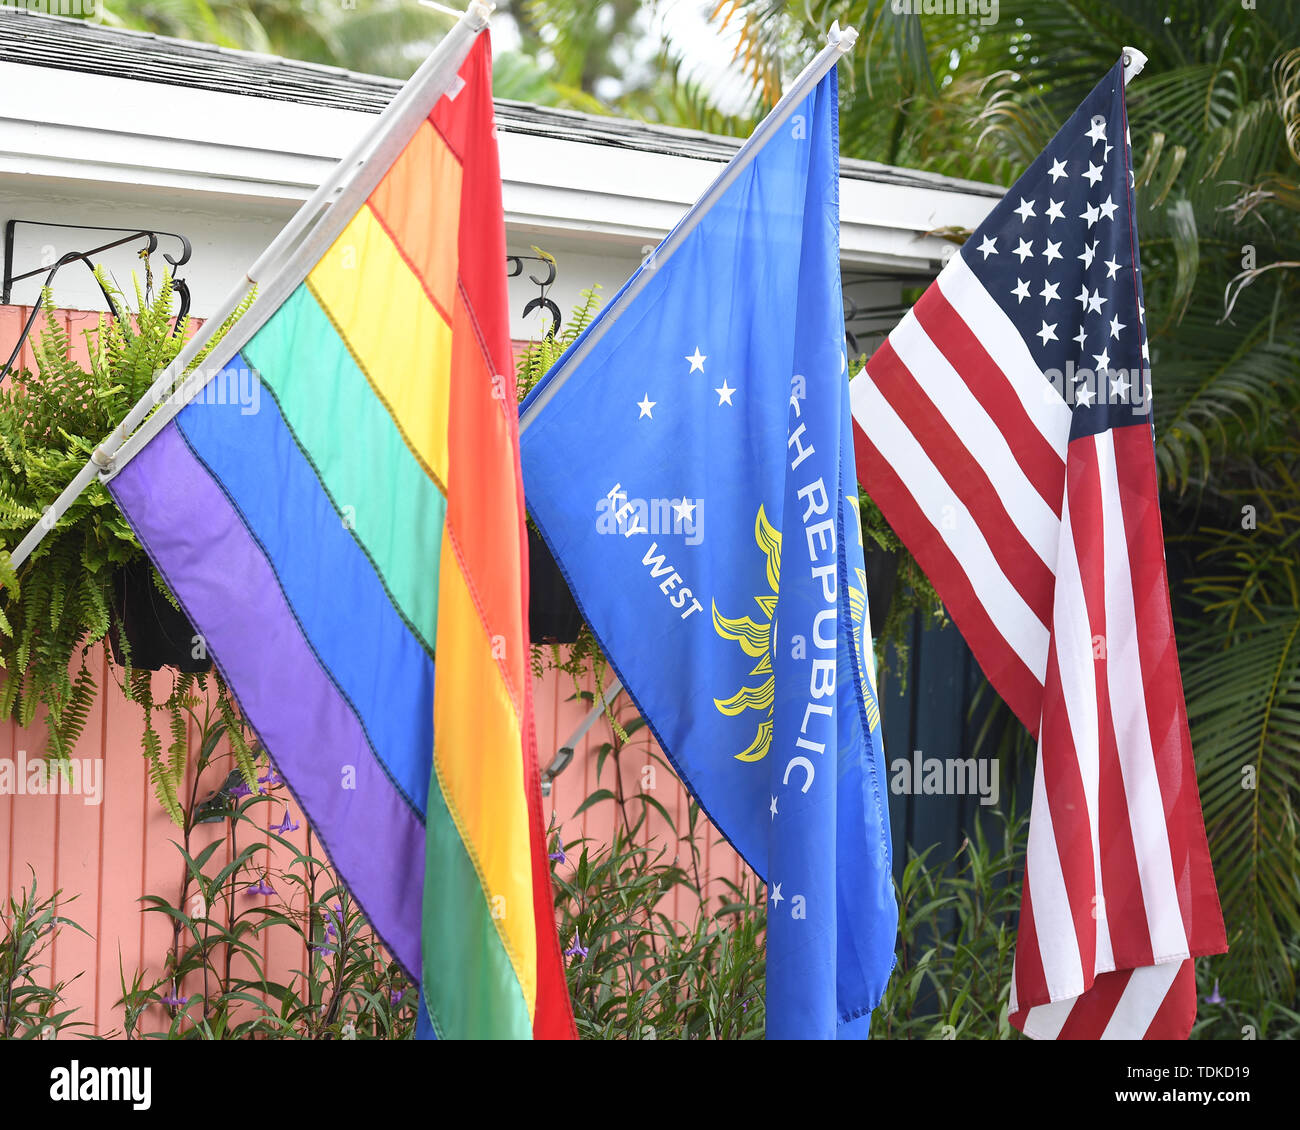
x=838 y=43
x=311 y=230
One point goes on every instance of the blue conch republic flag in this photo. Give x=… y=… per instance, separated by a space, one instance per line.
x=689 y=462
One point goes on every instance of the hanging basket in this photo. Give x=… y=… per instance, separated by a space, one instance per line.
x=553 y=616
x=158 y=634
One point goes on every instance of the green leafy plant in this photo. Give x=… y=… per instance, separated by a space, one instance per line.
x=634 y=972
x=956 y=939
x=29 y=1010
x=215 y=983
x=59 y=603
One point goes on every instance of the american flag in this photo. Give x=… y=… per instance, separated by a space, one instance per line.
x=1004 y=429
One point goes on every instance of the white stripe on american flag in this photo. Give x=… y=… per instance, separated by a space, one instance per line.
x=975 y=306
x=1058 y=948
x=979 y=434
x=1045 y=1021
x=1143 y=995
x=1012 y=617
x=1132 y=727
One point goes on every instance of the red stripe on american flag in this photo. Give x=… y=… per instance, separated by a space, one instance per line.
x=1004 y=668
x=1071 y=820
x=1031 y=981
x=963 y=473
x=1092 y=1011
x=1163 y=686
x=1177 y=1012
x=1041 y=463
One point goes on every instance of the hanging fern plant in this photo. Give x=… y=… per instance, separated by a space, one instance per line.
x=59 y=603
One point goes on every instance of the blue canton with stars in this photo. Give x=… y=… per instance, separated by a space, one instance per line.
x=1059 y=255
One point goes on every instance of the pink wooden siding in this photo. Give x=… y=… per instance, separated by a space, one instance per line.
x=105 y=857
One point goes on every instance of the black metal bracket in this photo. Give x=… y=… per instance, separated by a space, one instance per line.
x=6 y=287
x=541 y=302
x=152 y=236
x=872 y=321
x=564 y=755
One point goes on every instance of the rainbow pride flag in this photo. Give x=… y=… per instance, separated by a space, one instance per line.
x=350 y=545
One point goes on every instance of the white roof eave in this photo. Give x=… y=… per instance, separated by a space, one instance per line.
x=223 y=146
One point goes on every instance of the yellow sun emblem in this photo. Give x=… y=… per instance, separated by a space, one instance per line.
x=757 y=638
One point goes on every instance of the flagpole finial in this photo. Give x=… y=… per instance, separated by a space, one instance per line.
x=844 y=38
x=448 y=10
x=478 y=11
x=1134 y=61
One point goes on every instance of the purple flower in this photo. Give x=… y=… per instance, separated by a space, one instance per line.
x=1214 y=997
x=333 y=917
x=285 y=826
x=323 y=948
x=240 y=791
x=558 y=854
x=577 y=948
x=175 y=1002
x=395 y=997
x=270 y=778
x=262 y=888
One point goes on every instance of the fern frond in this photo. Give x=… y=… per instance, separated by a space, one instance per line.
x=243 y=753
